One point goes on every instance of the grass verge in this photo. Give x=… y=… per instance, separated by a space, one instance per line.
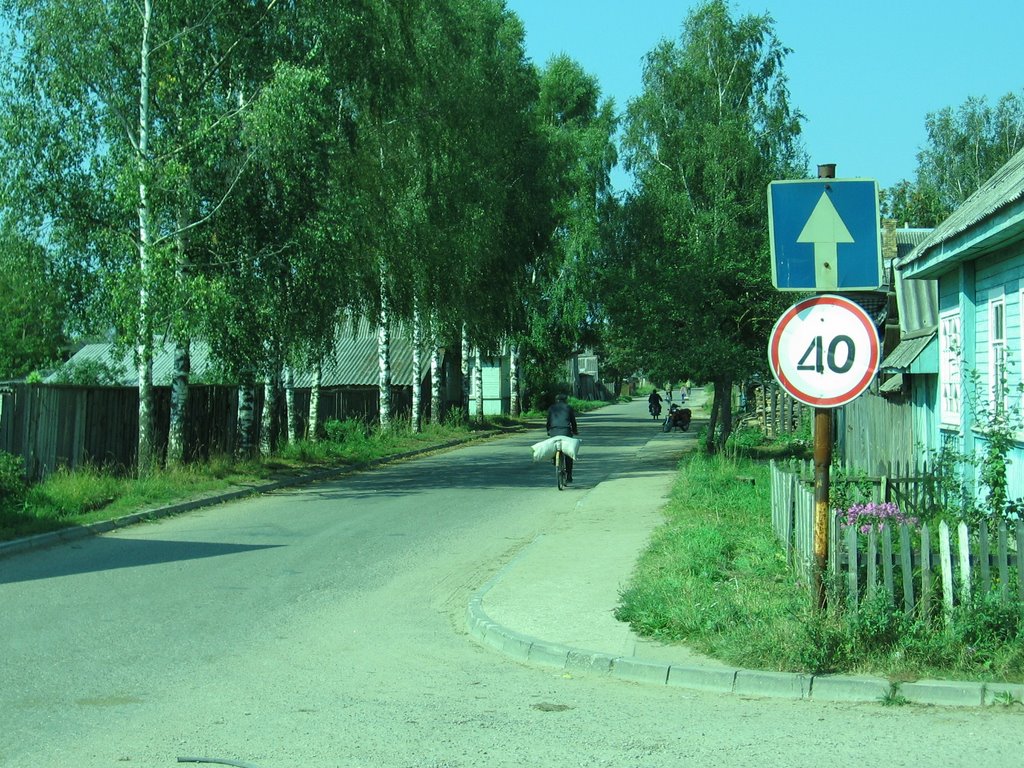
x=714 y=578
x=89 y=495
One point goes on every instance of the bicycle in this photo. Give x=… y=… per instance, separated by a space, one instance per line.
x=560 y=473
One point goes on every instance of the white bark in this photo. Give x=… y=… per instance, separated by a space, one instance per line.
x=267 y=421
x=384 y=355
x=417 y=367
x=478 y=384
x=144 y=341
x=246 y=419
x=513 y=379
x=289 y=395
x=313 y=422
x=464 y=371
x=179 y=402
x=435 y=373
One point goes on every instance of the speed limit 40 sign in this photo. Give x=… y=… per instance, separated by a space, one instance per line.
x=824 y=351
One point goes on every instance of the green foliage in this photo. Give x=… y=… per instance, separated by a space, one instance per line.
x=965 y=146
x=714 y=578
x=689 y=280
x=67 y=494
x=12 y=483
x=95 y=373
x=31 y=304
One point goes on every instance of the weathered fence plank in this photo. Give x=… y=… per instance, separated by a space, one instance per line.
x=906 y=569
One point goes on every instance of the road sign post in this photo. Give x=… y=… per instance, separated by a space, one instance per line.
x=823 y=351
x=824 y=235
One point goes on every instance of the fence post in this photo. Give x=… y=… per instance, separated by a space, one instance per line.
x=946 y=566
x=926 y=571
x=964 y=551
x=983 y=555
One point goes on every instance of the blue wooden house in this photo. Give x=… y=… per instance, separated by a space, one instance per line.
x=976 y=257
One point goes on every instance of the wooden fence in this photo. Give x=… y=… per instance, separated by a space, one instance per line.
x=919 y=567
x=773 y=410
x=52 y=426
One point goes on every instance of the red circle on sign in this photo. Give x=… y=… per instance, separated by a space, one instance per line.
x=799 y=337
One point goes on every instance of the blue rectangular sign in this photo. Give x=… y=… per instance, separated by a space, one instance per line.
x=825 y=235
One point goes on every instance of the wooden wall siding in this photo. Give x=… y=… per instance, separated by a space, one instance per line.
x=775 y=412
x=52 y=426
x=876 y=431
x=919 y=569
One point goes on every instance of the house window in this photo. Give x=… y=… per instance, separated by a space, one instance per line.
x=950 y=349
x=997 y=353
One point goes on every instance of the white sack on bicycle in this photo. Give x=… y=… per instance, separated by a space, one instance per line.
x=545 y=449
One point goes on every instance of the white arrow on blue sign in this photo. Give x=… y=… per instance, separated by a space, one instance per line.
x=824 y=235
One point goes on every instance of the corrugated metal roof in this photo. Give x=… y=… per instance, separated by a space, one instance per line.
x=893 y=384
x=906 y=352
x=1004 y=187
x=354 y=362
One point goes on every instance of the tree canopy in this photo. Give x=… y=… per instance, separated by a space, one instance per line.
x=690 y=278
x=965 y=146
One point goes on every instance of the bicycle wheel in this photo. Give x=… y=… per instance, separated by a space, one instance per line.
x=559 y=470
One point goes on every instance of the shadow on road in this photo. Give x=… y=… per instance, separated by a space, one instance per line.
x=106 y=553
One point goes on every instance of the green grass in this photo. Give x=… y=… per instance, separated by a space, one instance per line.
x=90 y=495
x=715 y=579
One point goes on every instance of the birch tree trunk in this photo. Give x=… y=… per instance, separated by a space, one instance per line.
x=417 y=367
x=478 y=383
x=464 y=371
x=313 y=421
x=246 y=419
x=435 y=371
x=384 y=355
x=179 y=401
x=435 y=384
x=267 y=420
x=144 y=341
x=514 y=407
x=289 y=398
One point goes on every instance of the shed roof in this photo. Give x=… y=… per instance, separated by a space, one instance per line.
x=990 y=218
x=353 y=363
x=906 y=352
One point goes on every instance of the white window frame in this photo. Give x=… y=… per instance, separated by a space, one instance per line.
x=998 y=383
x=950 y=350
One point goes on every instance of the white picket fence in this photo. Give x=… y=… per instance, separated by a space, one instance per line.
x=919 y=569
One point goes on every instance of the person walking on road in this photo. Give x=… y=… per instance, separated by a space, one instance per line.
x=562 y=422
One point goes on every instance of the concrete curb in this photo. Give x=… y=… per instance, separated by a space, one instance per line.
x=74 y=533
x=741 y=682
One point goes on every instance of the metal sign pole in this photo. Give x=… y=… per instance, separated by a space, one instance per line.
x=822 y=462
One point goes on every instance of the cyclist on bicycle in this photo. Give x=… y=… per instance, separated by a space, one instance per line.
x=562 y=422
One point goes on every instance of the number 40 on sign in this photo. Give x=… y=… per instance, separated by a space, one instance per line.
x=824 y=351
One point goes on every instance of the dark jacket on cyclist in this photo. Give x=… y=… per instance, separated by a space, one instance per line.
x=561 y=418
x=562 y=422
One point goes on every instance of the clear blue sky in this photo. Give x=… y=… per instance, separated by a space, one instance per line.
x=865 y=73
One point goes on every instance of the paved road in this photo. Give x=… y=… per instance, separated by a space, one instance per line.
x=325 y=626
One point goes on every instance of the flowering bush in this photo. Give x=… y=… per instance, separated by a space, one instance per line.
x=866 y=517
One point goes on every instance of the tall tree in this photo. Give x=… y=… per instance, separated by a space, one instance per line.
x=578 y=128
x=107 y=125
x=965 y=146
x=32 y=305
x=711 y=128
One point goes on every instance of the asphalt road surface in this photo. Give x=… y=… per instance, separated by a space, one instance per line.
x=325 y=626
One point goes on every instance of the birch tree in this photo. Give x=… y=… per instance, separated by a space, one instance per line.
x=711 y=128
